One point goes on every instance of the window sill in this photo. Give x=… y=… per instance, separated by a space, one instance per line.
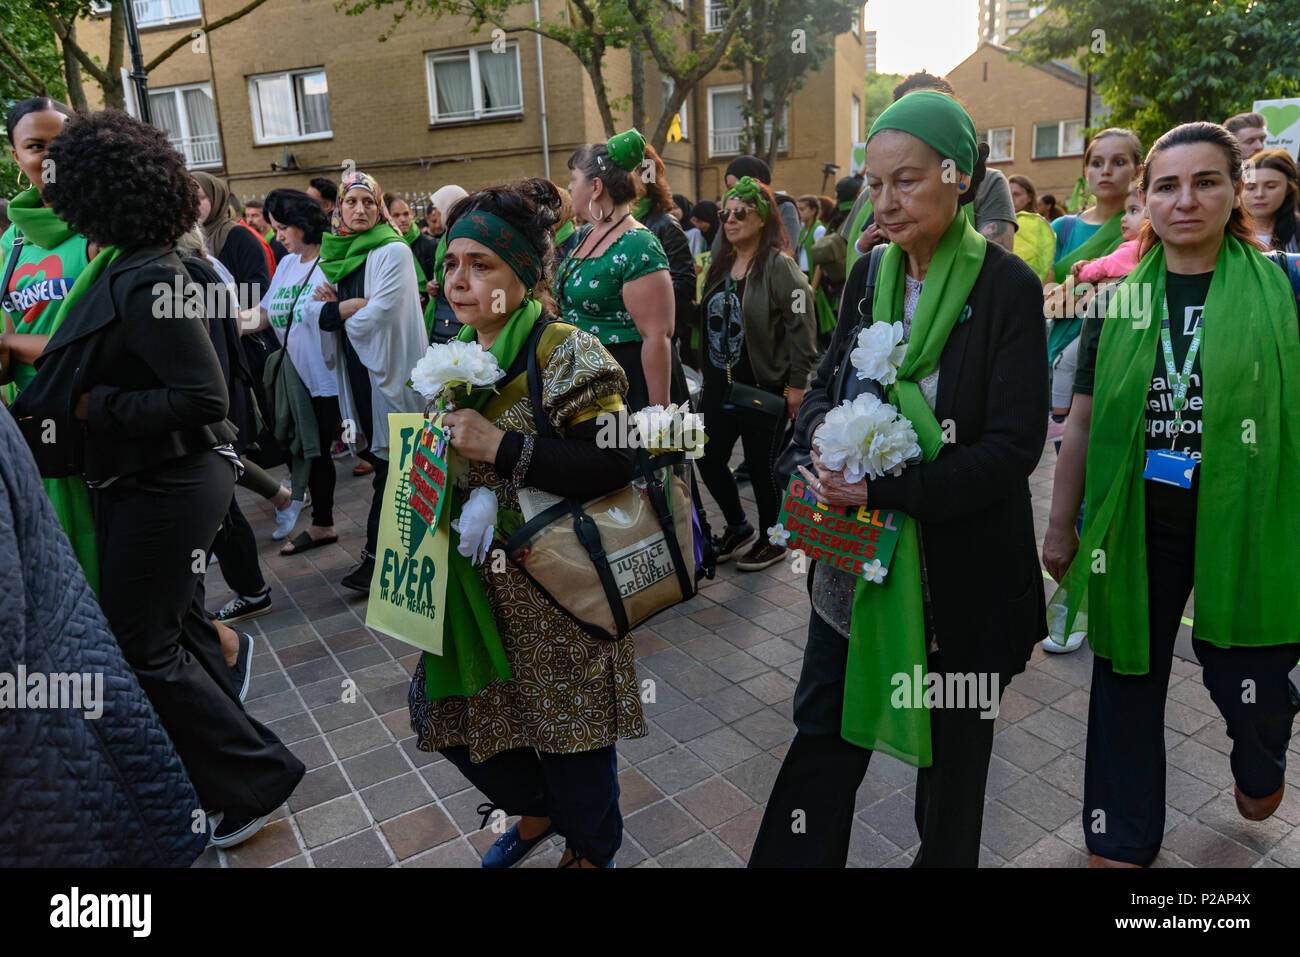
x=476 y=121
x=188 y=22
x=290 y=140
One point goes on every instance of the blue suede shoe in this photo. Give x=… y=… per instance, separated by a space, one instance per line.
x=509 y=849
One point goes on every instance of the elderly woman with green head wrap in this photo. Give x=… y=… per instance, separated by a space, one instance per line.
x=915 y=665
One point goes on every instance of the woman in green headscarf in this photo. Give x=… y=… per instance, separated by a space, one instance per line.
x=50 y=257
x=915 y=666
x=1192 y=462
x=522 y=701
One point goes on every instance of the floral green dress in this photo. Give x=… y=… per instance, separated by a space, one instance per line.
x=590 y=291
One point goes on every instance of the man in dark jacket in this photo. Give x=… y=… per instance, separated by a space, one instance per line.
x=75 y=794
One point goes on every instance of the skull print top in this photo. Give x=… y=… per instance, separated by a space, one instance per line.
x=589 y=289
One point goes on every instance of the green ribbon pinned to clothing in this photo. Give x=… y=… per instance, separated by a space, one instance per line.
x=1247 y=510
x=472 y=652
x=887 y=628
x=340 y=256
x=409 y=237
x=1101 y=243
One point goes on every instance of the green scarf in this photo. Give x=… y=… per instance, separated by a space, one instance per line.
x=855 y=231
x=409 y=237
x=1247 y=511
x=431 y=307
x=472 y=653
x=1101 y=243
x=821 y=302
x=565 y=231
x=39 y=224
x=640 y=208
x=341 y=256
x=888 y=623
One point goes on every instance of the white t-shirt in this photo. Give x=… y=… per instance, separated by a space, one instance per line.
x=295 y=280
x=818 y=232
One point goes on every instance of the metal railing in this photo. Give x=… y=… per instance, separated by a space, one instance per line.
x=199 y=150
x=152 y=13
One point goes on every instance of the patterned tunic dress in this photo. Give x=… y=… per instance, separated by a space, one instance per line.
x=569 y=692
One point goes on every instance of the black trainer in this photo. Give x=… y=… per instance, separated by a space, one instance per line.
x=359 y=578
x=763 y=555
x=242 y=670
x=232 y=831
x=243 y=607
x=733 y=539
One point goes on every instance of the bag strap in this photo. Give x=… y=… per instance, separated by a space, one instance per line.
x=585 y=528
x=15 y=252
x=658 y=493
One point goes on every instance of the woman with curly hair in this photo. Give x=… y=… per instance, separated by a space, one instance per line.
x=534 y=729
x=129 y=393
x=372 y=307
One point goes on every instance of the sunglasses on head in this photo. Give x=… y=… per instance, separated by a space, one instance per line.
x=740 y=214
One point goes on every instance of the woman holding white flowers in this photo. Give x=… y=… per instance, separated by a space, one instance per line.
x=522 y=701
x=963 y=362
x=372 y=305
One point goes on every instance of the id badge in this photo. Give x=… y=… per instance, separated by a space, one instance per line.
x=1169 y=467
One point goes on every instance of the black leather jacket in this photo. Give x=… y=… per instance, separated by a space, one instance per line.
x=156 y=388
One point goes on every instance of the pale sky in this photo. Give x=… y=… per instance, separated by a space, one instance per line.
x=931 y=35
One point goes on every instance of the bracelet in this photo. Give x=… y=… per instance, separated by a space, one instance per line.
x=522 y=463
x=785 y=393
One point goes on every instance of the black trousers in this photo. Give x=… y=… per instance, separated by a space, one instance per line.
x=153 y=531
x=761 y=437
x=821 y=774
x=1124 y=776
x=236 y=551
x=378 y=480
x=578 y=792
x=321 y=478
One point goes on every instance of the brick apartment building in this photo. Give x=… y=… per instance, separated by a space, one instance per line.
x=298 y=83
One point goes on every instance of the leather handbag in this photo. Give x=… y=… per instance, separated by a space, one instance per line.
x=742 y=396
x=614 y=561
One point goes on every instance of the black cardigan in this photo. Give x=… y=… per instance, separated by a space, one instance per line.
x=972 y=502
x=155 y=384
x=681 y=267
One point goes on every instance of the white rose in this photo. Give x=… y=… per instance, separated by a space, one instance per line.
x=880 y=352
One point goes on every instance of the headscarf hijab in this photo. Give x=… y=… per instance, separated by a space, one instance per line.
x=888 y=623
x=707 y=210
x=444 y=199
x=750 y=166
x=221 y=218
x=343 y=252
x=747 y=189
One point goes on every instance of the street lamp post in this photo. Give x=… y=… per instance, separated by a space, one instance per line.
x=139 y=78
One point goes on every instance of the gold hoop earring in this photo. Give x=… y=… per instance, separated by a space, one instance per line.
x=29 y=185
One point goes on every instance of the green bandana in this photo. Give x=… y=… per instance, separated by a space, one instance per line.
x=747 y=189
x=888 y=623
x=627 y=150
x=1101 y=243
x=410 y=236
x=38 y=222
x=341 y=256
x=472 y=653
x=936 y=119
x=1247 y=510
x=503 y=239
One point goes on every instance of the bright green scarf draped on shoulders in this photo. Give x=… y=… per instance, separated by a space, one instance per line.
x=1247 y=510
x=472 y=653
x=888 y=624
x=340 y=256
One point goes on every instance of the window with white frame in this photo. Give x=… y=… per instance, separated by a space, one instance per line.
x=474 y=84
x=186 y=114
x=1058 y=139
x=727 y=120
x=1002 y=143
x=715 y=15
x=289 y=106
x=668 y=87
x=154 y=13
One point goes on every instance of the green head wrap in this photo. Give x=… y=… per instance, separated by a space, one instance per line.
x=936 y=119
x=747 y=188
x=627 y=150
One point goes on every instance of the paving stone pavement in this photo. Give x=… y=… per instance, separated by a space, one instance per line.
x=724 y=667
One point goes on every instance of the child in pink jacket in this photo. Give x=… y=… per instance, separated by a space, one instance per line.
x=1125 y=258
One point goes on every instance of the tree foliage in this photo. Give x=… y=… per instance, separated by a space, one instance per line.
x=1159 y=63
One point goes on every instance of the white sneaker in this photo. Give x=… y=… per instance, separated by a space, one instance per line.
x=1073 y=643
x=286 y=518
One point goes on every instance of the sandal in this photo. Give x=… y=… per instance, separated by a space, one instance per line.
x=303 y=542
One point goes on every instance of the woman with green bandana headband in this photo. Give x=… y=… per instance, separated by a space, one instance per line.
x=372 y=309
x=915 y=666
x=1186 y=424
x=50 y=257
x=522 y=701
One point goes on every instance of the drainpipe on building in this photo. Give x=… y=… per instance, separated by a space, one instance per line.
x=541 y=93
x=216 y=101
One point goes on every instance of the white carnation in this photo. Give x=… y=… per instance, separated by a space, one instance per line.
x=866 y=437
x=880 y=352
x=455 y=363
x=672 y=429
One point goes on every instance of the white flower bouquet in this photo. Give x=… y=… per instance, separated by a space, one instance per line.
x=450 y=365
x=672 y=429
x=866 y=437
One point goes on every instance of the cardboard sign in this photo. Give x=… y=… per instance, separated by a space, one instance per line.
x=847 y=538
x=1283 y=119
x=409 y=586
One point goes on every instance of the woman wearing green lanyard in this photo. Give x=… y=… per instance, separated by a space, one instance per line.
x=963 y=599
x=1187 y=419
x=50 y=257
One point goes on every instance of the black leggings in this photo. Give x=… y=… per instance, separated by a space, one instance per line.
x=578 y=792
x=1124 y=776
x=321 y=478
x=761 y=437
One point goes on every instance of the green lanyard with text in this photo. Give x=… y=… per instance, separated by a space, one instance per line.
x=1178 y=383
